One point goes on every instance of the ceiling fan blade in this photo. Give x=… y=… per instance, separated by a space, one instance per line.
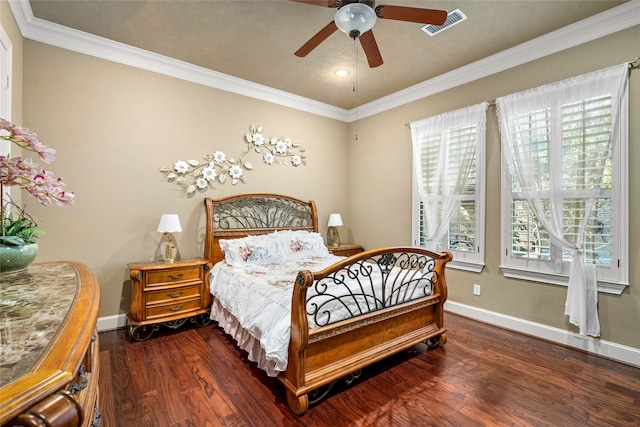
x=412 y=14
x=314 y=41
x=371 y=50
x=325 y=3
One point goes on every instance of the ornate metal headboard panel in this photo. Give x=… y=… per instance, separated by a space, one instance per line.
x=239 y=216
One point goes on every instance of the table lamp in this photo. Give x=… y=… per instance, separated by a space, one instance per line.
x=333 y=237
x=169 y=224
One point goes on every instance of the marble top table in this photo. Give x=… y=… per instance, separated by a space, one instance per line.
x=33 y=305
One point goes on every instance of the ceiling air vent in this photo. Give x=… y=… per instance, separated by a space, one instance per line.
x=454 y=17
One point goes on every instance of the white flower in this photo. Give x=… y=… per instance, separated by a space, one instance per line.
x=281 y=147
x=209 y=173
x=181 y=166
x=235 y=171
x=197 y=175
x=201 y=183
x=258 y=139
x=219 y=157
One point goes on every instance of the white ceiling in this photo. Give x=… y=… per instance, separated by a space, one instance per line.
x=254 y=40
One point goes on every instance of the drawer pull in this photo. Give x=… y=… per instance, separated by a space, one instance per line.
x=175 y=295
x=178 y=308
x=175 y=277
x=83 y=381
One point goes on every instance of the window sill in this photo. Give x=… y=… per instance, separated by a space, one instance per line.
x=465 y=265
x=560 y=279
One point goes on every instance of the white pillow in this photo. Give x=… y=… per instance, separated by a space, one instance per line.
x=302 y=244
x=251 y=250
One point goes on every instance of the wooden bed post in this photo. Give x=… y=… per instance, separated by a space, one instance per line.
x=294 y=377
x=441 y=288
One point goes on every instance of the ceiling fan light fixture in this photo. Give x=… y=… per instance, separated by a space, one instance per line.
x=342 y=72
x=355 y=19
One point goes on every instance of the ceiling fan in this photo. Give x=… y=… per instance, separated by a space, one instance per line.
x=357 y=17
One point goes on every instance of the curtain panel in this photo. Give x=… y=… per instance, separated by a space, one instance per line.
x=537 y=128
x=444 y=164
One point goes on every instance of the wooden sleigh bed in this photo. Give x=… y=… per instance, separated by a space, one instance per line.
x=393 y=302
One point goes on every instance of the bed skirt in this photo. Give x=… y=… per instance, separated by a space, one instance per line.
x=243 y=339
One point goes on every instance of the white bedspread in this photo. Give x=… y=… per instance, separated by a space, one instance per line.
x=258 y=297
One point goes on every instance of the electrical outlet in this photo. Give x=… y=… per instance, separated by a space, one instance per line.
x=476 y=289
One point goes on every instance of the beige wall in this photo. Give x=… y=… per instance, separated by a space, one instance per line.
x=115 y=126
x=381 y=161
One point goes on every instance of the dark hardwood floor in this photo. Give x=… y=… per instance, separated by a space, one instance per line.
x=483 y=376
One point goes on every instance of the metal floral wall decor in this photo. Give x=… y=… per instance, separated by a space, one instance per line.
x=194 y=175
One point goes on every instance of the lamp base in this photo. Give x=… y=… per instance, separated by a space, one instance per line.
x=170 y=259
x=333 y=237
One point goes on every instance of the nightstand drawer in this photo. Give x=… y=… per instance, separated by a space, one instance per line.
x=178 y=307
x=174 y=275
x=168 y=296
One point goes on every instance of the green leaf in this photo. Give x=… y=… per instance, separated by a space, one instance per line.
x=12 y=241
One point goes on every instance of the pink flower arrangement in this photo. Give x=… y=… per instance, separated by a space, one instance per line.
x=23 y=173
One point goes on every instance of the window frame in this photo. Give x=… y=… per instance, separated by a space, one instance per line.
x=473 y=261
x=612 y=279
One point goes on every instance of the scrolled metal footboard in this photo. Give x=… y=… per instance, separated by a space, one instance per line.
x=360 y=311
x=373 y=282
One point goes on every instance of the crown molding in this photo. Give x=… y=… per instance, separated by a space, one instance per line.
x=603 y=24
x=42 y=31
x=608 y=22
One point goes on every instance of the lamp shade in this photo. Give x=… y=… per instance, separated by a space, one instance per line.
x=335 y=220
x=169 y=223
x=355 y=19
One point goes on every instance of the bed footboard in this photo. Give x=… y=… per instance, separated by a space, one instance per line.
x=363 y=309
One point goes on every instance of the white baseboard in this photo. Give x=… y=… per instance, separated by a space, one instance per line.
x=110 y=323
x=610 y=350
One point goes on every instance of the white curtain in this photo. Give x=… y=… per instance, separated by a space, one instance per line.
x=540 y=176
x=438 y=187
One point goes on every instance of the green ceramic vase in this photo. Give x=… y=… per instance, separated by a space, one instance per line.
x=17 y=258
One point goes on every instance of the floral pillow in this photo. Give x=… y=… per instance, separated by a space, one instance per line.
x=302 y=243
x=251 y=250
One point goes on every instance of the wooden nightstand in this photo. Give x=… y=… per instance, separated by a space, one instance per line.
x=346 y=250
x=168 y=294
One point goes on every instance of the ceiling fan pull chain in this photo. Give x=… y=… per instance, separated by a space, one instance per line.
x=355 y=82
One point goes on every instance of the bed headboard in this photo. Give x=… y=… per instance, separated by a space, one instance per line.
x=249 y=214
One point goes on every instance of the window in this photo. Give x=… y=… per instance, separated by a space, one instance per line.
x=565 y=179
x=448 y=152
